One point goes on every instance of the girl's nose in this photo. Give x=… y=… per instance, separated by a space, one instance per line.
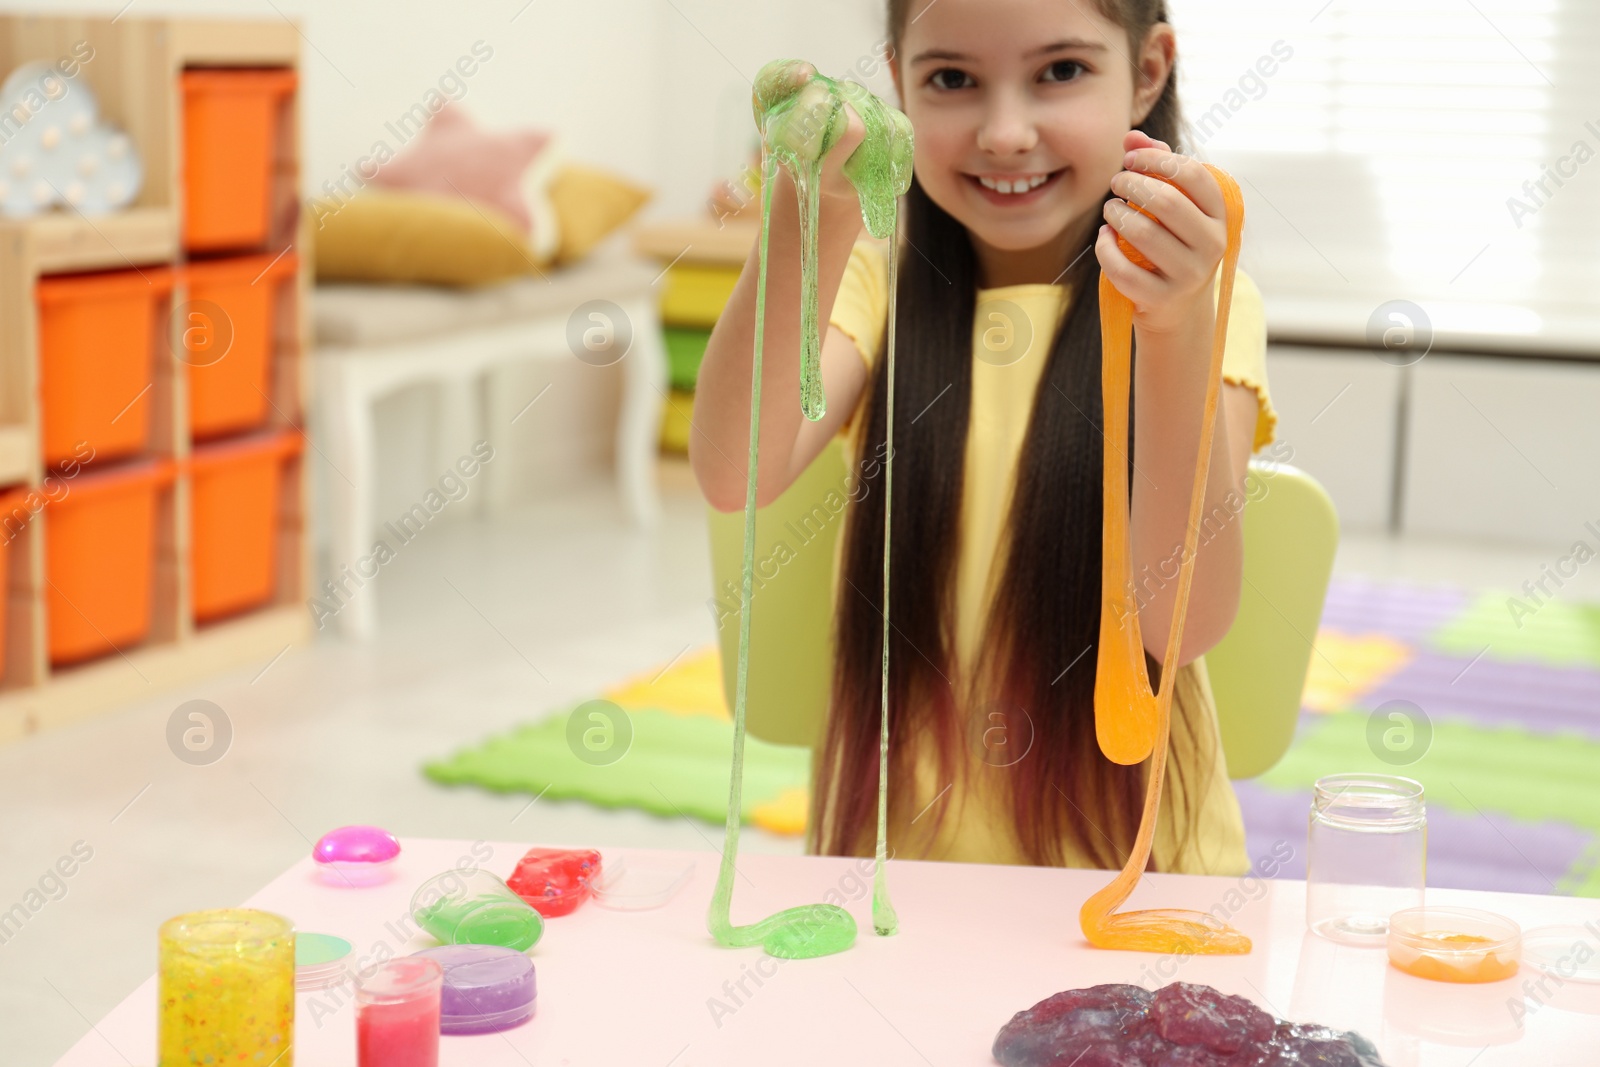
x=1007 y=127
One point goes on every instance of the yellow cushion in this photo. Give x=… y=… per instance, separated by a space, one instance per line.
x=590 y=203
x=385 y=235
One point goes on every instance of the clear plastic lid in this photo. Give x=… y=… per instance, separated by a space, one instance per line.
x=320 y=960
x=1571 y=953
x=638 y=883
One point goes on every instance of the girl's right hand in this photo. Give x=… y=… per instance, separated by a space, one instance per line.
x=834 y=183
x=801 y=128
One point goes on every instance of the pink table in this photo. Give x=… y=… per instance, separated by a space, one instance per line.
x=977 y=944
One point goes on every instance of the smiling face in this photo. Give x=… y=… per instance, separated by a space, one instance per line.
x=1020 y=108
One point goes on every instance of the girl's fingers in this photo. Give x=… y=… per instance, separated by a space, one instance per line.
x=1131 y=280
x=1140 y=139
x=1158 y=244
x=1181 y=217
x=1190 y=175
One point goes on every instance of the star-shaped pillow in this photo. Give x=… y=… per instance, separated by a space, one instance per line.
x=507 y=171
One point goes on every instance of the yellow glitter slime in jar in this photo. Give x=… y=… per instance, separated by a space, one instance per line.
x=227 y=989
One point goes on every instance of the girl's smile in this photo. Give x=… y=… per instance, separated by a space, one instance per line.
x=1014 y=189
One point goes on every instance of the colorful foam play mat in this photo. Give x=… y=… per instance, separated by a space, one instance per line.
x=661 y=741
x=1490 y=700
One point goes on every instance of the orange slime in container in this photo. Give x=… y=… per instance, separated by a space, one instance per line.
x=1459 y=958
x=1131 y=722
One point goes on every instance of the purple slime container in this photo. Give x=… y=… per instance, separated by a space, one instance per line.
x=486 y=988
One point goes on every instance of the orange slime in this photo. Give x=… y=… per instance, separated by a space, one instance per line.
x=1458 y=958
x=1131 y=722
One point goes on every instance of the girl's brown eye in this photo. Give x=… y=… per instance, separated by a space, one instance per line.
x=937 y=78
x=1064 y=67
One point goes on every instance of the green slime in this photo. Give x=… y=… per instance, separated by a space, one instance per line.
x=800 y=120
x=482 y=919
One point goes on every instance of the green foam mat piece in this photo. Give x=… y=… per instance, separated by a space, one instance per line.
x=685 y=349
x=1468 y=769
x=674 y=765
x=1513 y=627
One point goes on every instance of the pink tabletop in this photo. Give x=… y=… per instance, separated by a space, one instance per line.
x=976 y=944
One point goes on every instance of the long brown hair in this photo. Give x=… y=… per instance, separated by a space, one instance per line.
x=1045 y=613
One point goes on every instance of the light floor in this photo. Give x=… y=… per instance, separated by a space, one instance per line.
x=483 y=624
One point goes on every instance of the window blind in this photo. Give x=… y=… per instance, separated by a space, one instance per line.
x=1445 y=152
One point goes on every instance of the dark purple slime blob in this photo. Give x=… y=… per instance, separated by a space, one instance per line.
x=1180 y=1025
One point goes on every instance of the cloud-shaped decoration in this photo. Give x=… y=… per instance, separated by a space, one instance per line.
x=55 y=150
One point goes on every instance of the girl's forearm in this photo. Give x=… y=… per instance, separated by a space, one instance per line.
x=719 y=444
x=1169 y=390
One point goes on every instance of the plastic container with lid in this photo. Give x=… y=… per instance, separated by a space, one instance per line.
x=236 y=506
x=472 y=906
x=486 y=988
x=100 y=546
x=1454 y=944
x=397 y=1014
x=231 y=127
x=97 y=345
x=226 y=331
x=355 y=855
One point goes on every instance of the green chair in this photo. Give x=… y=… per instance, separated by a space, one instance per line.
x=1257 y=671
x=791 y=661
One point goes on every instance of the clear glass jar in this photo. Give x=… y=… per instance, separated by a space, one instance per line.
x=1367 y=855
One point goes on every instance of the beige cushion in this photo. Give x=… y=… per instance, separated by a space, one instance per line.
x=353 y=315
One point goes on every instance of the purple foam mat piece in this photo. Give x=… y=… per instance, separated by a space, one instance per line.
x=1357 y=605
x=1536 y=697
x=1464 y=852
x=1270 y=820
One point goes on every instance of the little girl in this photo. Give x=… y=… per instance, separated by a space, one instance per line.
x=1036 y=122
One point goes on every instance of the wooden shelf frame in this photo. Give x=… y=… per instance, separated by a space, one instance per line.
x=134 y=70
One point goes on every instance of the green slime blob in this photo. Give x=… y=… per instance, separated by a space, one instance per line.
x=484 y=919
x=801 y=115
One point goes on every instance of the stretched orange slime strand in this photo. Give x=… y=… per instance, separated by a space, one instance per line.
x=1131 y=722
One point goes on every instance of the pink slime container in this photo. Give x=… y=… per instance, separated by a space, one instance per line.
x=397 y=1014
x=355 y=855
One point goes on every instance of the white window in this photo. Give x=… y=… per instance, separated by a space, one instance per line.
x=1445 y=152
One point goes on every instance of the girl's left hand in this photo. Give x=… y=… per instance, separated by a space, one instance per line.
x=1186 y=245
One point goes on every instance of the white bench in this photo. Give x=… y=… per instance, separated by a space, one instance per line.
x=374 y=339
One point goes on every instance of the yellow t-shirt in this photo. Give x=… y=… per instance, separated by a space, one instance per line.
x=1013 y=329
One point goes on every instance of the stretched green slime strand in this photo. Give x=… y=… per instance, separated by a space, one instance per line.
x=880 y=169
x=798 y=127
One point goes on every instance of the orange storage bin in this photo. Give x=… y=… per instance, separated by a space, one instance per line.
x=100 y=541
x=14 y=515
x=230 y=135
x=235 y=499
x=97 y=336
x=227 y=336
